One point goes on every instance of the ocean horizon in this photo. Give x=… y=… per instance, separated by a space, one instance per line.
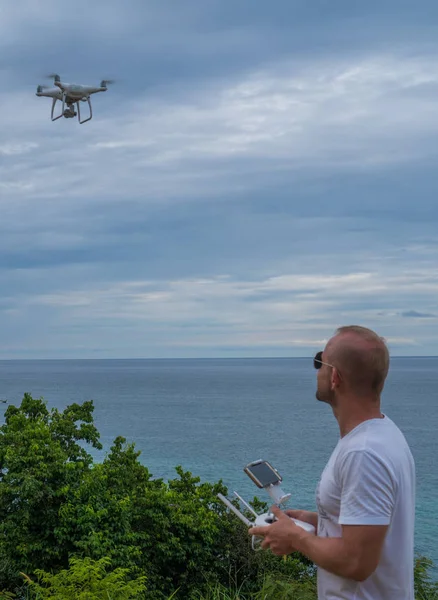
x=187 y=358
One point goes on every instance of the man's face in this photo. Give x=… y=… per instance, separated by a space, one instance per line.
x=324 y=392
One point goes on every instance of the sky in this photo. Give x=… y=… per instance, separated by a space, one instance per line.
x=258 y=175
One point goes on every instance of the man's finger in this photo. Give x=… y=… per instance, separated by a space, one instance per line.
x=258 y=531
x=278 y=512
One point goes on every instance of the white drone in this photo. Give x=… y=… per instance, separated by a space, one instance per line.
x=70 y=94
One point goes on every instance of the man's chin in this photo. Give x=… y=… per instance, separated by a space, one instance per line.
x=321 y=398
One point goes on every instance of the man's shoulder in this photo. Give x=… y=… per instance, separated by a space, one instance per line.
x=378 y=444
x=373 y=433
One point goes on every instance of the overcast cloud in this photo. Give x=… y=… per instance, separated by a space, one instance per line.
x=259 y=174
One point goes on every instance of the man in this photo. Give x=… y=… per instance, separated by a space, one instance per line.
x=364 y=542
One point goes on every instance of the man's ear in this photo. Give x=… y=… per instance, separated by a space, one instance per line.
x=336 y=379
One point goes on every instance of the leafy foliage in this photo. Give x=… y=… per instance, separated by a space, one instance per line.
x=288 y=589
x=56 y=504
x=425 y=588
x=41 y=462
x=86 y=580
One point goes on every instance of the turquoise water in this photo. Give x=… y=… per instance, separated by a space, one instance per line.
x=214 y=416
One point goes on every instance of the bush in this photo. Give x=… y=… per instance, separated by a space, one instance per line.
x=55 y=505
x=86 y=580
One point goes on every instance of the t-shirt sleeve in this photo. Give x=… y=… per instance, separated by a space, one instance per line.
x=367 y=489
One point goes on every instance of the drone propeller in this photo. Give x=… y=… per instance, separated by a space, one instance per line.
x=106 y=82
x=41 y=88
x=54 y=76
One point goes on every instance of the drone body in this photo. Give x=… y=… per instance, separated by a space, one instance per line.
x=70 y=94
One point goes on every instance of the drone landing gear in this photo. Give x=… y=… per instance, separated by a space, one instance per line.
x=53 y=110
x=79 y=112
x=69 y=112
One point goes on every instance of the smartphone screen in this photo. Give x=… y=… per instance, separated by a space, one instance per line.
x=262 y=474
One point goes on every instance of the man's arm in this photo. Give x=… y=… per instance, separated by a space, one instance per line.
x=354 y=556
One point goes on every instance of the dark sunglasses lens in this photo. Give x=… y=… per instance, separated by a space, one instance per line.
x=317 y=360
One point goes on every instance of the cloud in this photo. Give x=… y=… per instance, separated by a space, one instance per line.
x=15 y=149
x=241 y=188
x=291 y=314
x=418 y=315
x=325 y=115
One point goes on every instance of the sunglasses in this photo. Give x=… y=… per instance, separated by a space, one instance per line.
x=317 y=361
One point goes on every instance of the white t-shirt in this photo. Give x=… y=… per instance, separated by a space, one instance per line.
x=370 y=480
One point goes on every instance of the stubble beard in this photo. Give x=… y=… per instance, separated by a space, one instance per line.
x=326 y=396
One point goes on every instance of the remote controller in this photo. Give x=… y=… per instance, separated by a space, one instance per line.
x=264 y=476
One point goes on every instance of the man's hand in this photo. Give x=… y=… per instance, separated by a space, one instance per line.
x=304 y=515
x=283 y=536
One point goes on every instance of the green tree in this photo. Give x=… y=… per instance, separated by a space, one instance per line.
x=170 y=532
x=41 y=462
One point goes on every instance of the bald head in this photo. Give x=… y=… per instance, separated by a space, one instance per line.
x=362 y=358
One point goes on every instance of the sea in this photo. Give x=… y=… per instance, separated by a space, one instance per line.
x=213 y=416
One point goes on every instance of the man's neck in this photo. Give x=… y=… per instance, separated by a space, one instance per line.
x=348 y=420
